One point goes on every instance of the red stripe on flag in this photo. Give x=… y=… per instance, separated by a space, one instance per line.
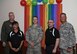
x=26 y=20
x=42 y=21
x=59 y=11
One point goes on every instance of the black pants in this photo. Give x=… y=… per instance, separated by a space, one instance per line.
x=49 y=49
x=12 y=52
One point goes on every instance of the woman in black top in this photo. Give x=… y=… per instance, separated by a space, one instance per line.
x=15 y=39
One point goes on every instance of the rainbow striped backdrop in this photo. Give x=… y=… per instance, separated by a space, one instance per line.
x=44 y=12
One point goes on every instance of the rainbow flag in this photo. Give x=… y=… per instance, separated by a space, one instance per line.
x=44 y=12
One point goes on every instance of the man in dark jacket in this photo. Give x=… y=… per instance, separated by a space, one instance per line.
x=6 y=28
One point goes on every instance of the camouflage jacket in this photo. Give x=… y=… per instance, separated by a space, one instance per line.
x=34 y=34
x=67 y=36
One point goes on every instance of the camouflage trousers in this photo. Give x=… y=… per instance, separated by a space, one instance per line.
x=63 y=51
x=36 y=50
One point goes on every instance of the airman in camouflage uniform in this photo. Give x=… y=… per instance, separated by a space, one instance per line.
x=67 y=36
x=34 y=36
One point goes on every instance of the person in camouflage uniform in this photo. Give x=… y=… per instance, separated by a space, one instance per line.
x=34 y=36
x=67 y=36
x=6 y=28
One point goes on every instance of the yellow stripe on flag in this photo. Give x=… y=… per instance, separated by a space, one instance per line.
x=46 y=16
x=30 y=20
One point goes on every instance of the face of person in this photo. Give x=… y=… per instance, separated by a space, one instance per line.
x=11 y=16
x=50 y=23
x=15 y=26
x=35 y=20
x=63 y=18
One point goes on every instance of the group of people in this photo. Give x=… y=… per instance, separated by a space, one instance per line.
x=12 y=37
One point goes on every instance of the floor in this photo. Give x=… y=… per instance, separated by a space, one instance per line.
x=24 y=49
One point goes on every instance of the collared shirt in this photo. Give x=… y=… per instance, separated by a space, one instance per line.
x=51 y=35
x=15 y=38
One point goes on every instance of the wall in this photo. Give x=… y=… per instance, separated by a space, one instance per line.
x=11 y=5
x=69 y=7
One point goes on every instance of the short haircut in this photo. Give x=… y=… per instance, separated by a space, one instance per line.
x=51 y=19
x=63 y=14
x=11 y=12
x=35 y=16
